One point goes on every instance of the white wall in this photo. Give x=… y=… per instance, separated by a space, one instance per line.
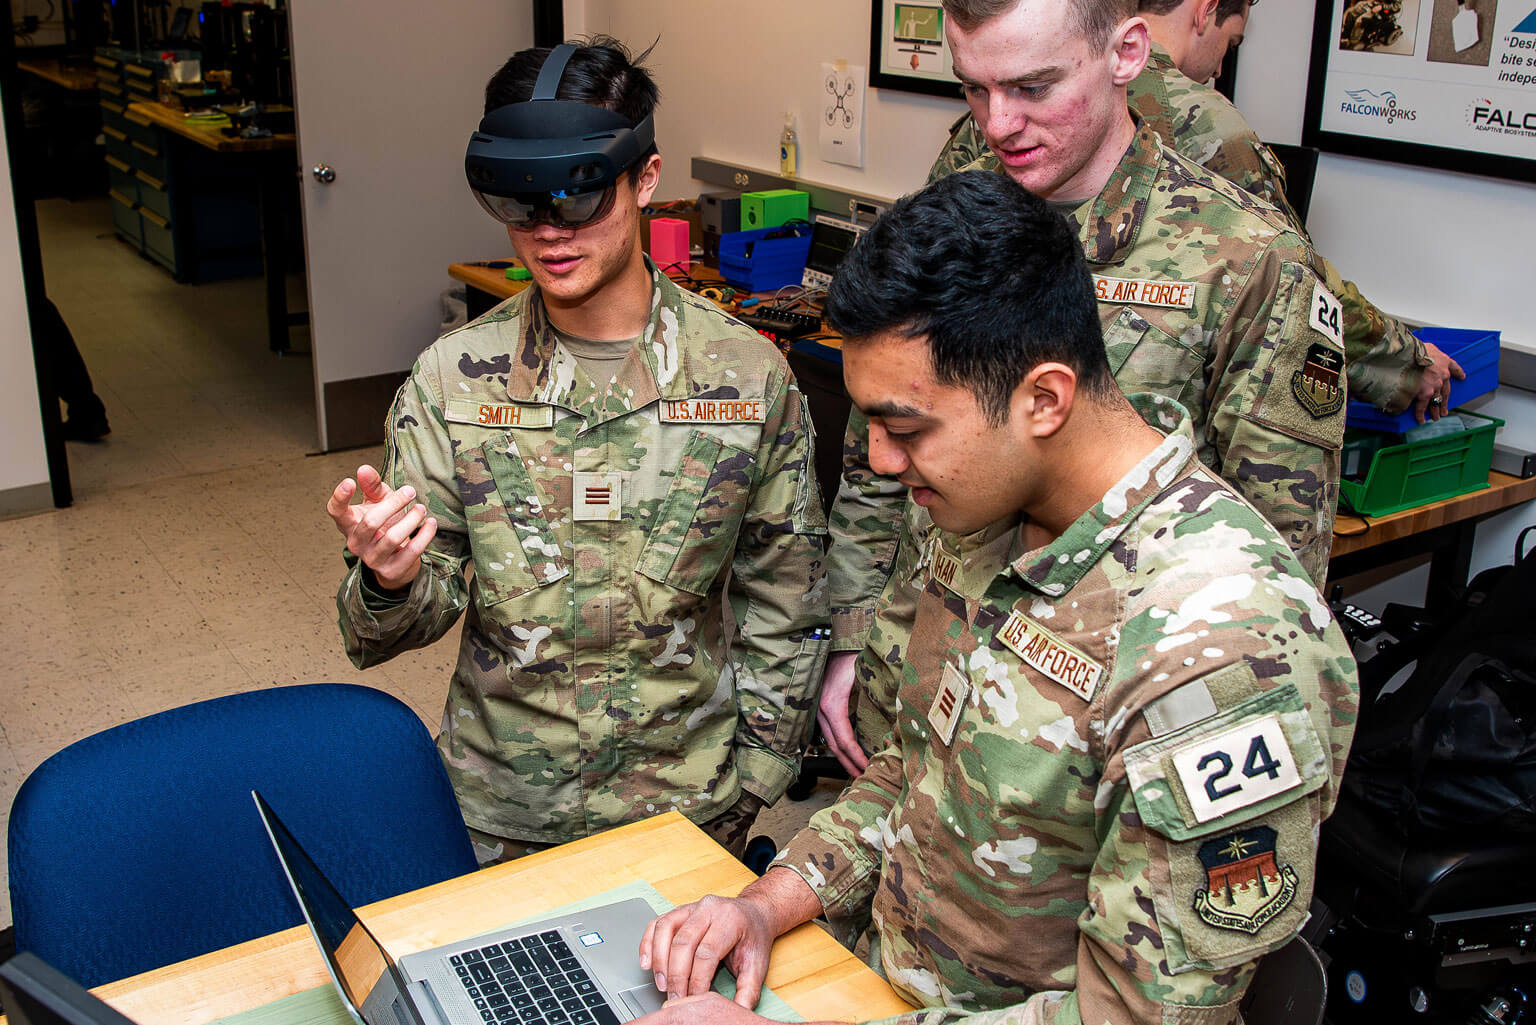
x=726 y=82
x=22 y=462
x=1417 y=241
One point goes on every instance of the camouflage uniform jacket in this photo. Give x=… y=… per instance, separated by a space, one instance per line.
x=1206 y=296
x=1383 y=358
x=595 y=682
x=1111 y=758
x=1237 y=361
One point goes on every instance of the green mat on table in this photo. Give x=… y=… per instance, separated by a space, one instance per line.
x=321 y=1005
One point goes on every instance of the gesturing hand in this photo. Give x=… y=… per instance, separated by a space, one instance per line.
x=385 y=530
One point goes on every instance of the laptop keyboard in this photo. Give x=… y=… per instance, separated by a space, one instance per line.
x=532 y=980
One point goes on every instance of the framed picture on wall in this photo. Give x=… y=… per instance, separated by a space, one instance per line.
x=907 y=49
x=1448 y=84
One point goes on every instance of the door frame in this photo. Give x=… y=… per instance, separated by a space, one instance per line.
x=32 y=268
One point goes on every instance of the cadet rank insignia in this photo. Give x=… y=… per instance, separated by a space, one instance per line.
x=597 y=497
x=949 y=703
x=1245 y=888
x=1316 y=385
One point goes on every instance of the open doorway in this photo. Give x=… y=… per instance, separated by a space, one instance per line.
x=151 y=245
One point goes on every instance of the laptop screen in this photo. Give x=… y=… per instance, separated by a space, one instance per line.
x=356 y=960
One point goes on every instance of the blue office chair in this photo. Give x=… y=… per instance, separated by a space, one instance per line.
x=140 y=846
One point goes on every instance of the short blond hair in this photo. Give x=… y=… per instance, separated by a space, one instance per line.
x=1096 y=19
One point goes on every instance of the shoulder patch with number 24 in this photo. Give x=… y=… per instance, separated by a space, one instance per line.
x=1319 y=384
x=1327 y=315
x=1235 y=768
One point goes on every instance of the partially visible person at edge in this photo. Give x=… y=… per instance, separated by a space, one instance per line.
x=1124 y=710
x=1207 y=295
x=608 y=451
x=1386 y=363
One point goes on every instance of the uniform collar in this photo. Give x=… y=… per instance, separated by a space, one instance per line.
x=545 y=372
x=1114 y=220
x=1056 y=568
x=1149 y=97
x=1159 y=58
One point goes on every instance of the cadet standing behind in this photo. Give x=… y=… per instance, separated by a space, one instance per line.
x=1386 y=364
x=606 y=449
x=1124 y=710
x=1206 y=295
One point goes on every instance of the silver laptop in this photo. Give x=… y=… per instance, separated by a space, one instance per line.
x=578 y=969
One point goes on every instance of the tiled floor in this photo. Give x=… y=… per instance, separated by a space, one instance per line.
x=197 y=559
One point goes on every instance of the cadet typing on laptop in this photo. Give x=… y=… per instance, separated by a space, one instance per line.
x=577 y=969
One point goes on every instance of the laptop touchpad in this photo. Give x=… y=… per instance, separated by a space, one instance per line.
x=643 y=1000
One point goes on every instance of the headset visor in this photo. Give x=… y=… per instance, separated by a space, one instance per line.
x=561 y=209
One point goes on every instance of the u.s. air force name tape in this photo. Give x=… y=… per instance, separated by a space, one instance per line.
x=1178 y=295
x=712 y=411
x=1050 y=655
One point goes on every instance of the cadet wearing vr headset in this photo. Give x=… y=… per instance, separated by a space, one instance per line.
x=607 y=450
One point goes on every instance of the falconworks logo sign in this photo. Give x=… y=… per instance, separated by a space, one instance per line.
x=1484 y=116
x=1382 y=106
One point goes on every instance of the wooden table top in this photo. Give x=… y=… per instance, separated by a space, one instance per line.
x=492 y=280
x=819 y=978
x=68 y=76
x=209 y=136
x=1356 y=533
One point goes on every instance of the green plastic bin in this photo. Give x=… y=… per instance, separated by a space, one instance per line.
x=1403 y=476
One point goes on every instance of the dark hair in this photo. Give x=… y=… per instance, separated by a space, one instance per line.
x=601 y=72
x=990 y=274
x=1224 y=8
x=1096 y=19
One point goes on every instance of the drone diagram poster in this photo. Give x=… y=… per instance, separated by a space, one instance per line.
x=840 y=110
x=1439 y=83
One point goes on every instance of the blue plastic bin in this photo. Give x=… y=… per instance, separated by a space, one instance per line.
x=1476 y=351
x=751 y=260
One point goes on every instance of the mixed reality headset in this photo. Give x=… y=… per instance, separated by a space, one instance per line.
x=552 y=161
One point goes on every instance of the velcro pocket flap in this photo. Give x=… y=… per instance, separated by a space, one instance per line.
x=1240 y=764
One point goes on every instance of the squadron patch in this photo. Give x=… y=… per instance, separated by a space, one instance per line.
x=1317 y=385
x=1245 y=886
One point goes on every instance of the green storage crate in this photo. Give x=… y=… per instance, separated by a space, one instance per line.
x=774 y=208
x=1402 y=476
